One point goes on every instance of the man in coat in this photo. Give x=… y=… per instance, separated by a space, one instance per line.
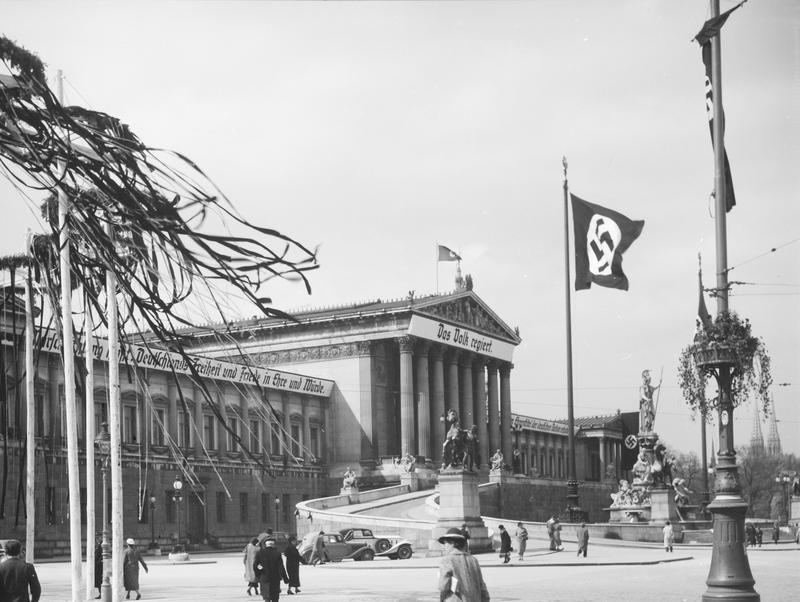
x=17 y=577
x=130 y=569
x=582 y=535
x=460 y=577
x=270 y=571
x=505 y=544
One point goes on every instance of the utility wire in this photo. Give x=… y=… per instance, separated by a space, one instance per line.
x=772 y=250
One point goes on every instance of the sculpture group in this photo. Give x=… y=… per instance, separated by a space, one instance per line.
x=460 y=447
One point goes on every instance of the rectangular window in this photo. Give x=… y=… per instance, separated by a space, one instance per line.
x=264 y=508
x=129 y=426
x=255 y=437
x=208 y=431
x=220 y=506
x=314 y=443
x=100 y=415
x=184 y=435
x=243 y=507
x=276 y=438
x=295 y=428
x=159 y=426
x=233 y=425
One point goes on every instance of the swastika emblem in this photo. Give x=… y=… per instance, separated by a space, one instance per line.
x=602 y=240
x=631 y=442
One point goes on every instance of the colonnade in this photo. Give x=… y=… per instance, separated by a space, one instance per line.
x=436 y=378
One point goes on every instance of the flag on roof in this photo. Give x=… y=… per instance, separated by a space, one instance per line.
x=446 y=254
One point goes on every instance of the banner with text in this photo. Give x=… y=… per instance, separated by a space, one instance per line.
x=158 y=359
x=460 y=337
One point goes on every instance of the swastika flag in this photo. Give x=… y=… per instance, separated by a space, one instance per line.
x=601 y=237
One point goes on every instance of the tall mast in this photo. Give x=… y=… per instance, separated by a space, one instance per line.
x=30 y=415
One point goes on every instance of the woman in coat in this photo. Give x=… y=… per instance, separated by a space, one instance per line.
x=669 y=536
x=293 y=561
x=460 y=578
x=250 y=551
x=130 y=569
x=505 y=544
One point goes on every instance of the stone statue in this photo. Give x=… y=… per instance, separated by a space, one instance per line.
x=681 y=492
x=662 y=465
x=622 y=497
x=497 y=461
x=647 y=410
x=642 y=471
x=408 y=463
x=349 y=481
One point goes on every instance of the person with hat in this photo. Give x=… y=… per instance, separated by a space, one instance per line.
x=269 y=570
x=17 y=577
x=460 y=576
x=505 y=544
x=130 y=569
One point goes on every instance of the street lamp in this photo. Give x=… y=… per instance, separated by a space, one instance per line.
x=153 y=522
x=177 y=496
x=277 y=507
x=103 y=443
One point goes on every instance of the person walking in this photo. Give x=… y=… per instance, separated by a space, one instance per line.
x=18 y=579
x=521 y=535
x=130 y=569
x=98 y=567
x=551 y=532
x=250 y=551
x=505 y=544
x=669 y=536
x=319 y=554
x=460 y=577
x=293 y=561
x=582 y=535
x=270 y=571
x=557 y=534
x=776 y=532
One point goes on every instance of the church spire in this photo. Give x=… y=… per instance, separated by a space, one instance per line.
x=756 y=437
x=773 y=438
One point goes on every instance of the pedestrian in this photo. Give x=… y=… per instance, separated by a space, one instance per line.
x=776 y=532
x=18 y=579
x=465 y=533
x=270 y=571
x=293 y=561
x=750 y=534
x=797 y=533
x=557 y=534
x=460 y=577
x=759 y=536
x=669 y=536
x=130 y=569
x=582 y=535
x=250 y=551
x=319 y=554
x=98 y=566
x=551 y=532
x=505 y=544
x=522 y=539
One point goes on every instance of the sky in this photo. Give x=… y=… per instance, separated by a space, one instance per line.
x=376 y=131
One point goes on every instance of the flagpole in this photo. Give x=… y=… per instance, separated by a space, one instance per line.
x=572 y=484
x=30 y=416
x=437 y=269
x=90 y=435
x=729 y=576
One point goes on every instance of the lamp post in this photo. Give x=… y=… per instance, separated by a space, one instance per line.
x=277 y=509
x=153 y=522
x=177 y=496
x=103 y=443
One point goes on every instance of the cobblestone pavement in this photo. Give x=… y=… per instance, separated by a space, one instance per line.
x=621 y=573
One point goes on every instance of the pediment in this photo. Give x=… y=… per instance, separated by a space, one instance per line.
x=469 y=310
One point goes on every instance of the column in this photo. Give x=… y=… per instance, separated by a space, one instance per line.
x=306 y=449
x=467 y=413
x=479 y=390
x=172 y=409
x=197 y=397
x=423 y=402
x=452 y=383
x=437 y=402
x=602 y=447
x=494 y=424
x=406 y=395
x=505 y=410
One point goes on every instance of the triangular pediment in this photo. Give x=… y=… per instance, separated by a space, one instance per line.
x=467 y=309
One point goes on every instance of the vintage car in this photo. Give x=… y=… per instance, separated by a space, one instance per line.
x=337 y=548
x=391 y=546
x=178 y=554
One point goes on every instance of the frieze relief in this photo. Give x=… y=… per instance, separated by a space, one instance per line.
x=311 y=354
x=468 y=312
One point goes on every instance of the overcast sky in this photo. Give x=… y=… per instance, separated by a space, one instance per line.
x=377 y=130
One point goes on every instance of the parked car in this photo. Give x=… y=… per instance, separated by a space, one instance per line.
x=338 y=549
x=178 y=554
x=391 y=546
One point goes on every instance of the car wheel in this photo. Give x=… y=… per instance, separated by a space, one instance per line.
x=382 y=545
x=367 y=555
x=404 y=553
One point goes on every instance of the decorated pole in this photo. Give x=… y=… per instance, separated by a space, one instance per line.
x=68 y=351
x=117 y=526
x=30 y=415
x=572 y=482
x=88 y=326
x=729 y=576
